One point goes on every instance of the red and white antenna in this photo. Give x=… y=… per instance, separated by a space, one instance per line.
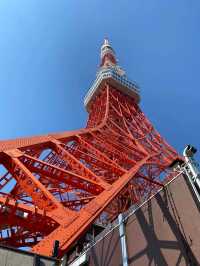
x=108 y=56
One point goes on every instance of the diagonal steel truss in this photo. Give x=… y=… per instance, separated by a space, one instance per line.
x=54 y=187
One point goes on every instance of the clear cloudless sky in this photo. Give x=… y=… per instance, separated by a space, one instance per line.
x=49 y=53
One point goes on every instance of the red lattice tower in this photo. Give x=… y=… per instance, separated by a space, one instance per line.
x=54 y=187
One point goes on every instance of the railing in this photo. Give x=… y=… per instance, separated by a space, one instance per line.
x=106 y=74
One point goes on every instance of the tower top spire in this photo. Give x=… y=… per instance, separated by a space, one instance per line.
x=106 y=41
x=108 y=56
x=110 y=73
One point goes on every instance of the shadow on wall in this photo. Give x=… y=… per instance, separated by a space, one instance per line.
x=175 y=249
x=107 y=252
x=155 y=247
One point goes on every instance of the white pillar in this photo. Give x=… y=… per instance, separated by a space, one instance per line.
x=122 y=236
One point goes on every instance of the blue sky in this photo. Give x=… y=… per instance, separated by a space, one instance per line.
x=49 y=53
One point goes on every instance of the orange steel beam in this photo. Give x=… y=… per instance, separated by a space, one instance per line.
x=86 y=216
x=55 y=172
x=41 y=197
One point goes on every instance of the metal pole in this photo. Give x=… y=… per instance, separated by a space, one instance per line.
x=36 y=260
x=55 y=249
x=123 y=240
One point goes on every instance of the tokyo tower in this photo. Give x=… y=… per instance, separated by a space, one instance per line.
x=54 y=187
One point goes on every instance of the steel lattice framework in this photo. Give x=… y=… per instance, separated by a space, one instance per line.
x=62 y=183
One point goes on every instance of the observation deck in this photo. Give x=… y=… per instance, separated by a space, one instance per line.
x=120 y=82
